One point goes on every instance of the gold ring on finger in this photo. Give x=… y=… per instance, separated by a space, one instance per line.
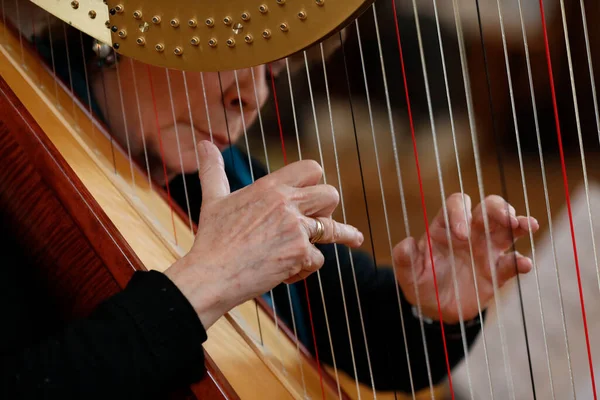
x=320 y=231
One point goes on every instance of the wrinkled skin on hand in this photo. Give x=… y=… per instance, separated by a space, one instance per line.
x=504 y=227
x=253 y=239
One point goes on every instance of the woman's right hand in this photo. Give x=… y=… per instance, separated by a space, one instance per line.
x=252 y=240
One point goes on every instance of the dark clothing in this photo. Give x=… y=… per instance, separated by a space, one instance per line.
x=378 y=292
x=143 y=342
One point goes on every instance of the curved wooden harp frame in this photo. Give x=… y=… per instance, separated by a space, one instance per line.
x=108 y=212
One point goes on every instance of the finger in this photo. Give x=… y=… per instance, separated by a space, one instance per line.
x=334 y=232
x=509 y=264
x=316 y=201
x=457 y=205
x=299 y=174
x=405 y=256
x=314 y=262
x=212 y=171
x=498 y=211
x=525 y=225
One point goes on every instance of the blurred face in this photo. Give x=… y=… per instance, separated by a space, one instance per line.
x=165 y=114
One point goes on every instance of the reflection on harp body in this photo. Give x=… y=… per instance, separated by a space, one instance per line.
x=410 y=102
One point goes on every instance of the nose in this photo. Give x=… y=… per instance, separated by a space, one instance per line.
x=247 y=83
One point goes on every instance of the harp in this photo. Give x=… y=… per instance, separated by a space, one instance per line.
x=482 y=93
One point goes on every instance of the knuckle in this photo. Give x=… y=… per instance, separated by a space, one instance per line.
x=333 y=194
x=313 y=167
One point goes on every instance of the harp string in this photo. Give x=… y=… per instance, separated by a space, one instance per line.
x=465 y=211
x=124 y=116
x=479 y=175
x=191 y=117
x=240 y=102
x=162 y=152
x=322 y=163
x=567 y=195
x=289 y=78
x=500 y=164
x=139 y=111
x=405 y=216
x=579 y=136
x=528 y=214
x=441 y=183
x=64 y=26
x=335 y=247
x=592 y=82
x=422 y=205
x=309 y=307
x=271 y=294
x=546 y=197
x=210 y=131
x=176 y=127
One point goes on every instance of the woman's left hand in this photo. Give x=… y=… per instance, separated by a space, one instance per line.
x=504 y=227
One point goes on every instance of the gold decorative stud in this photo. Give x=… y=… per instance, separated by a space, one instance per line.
x=122 y=33
x=119 y=8
x=263 y=9
x=195 y=41
x=245 y=16
x=320 y=2
x=178 y=51
x=284 y=27
x=230 y=42
x=248 y=38
x=302 y=15
x=137 y=14
x=144 y=27
x=281 y=2
x=75 y=4
x=212 y=42
x=227 y=21
x=266 y=34
x=159 y=47
x=209 y=22
x=174 y=22
x=192 y=23
x=156 y=19
x=140 y=41
x=92 y=14
x=238 y=28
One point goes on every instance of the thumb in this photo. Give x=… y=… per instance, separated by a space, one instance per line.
x=406 y=257
x=212 y=171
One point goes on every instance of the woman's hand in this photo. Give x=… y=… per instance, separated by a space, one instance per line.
x=504 y=227
x=252 y=240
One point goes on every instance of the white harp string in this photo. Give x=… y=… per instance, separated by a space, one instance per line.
x=335 y=247
x=125 y=127
x=239 y=94
x=314 y=111
x=466 y=212
x=191 y=117
x=210 y=131
x=139 y=110
x=525 y=196
x=64 y=26
x=21 y=35
x=479 y=174
x=175 y=126
x=383 y=201
x=51 y=52
x=592 y=79
x=579 y=136
x=289 y=77
x=546 y=196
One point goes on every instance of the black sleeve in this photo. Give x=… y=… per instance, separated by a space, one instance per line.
x=388 y=353
x=142 y=342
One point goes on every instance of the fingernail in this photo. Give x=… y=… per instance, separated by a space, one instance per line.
x=512 y=210
x=361 y=238
x=514 y=221
x=461 y=230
